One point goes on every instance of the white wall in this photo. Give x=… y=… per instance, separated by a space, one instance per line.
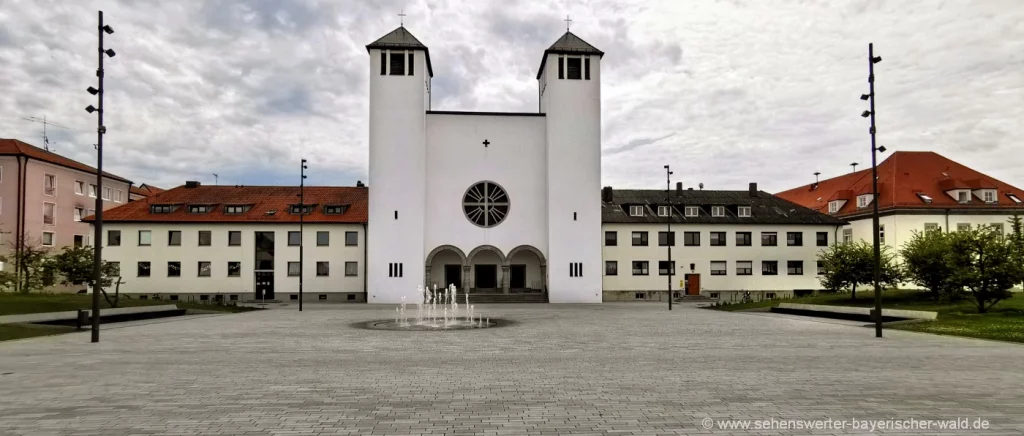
x=398 y=106
x=573 y=109
x=701 y=256
x=899 y=228
x=219 y=253
x=457 y=159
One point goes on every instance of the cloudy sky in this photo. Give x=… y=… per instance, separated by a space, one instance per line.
x=727 y=91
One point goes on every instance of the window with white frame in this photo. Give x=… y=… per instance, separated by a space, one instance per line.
x=743 y=211
x=989 y=196
x=998 y=228
x=107 y=193
x=79 y=187
x=78 y=213
x=664 y=211
x=48 y=239
x=963 y=227
x=863 y=200
x=49 y=185
x=744 y=267
x=691 y=211
x=718 y=211
x=718 y=267
x=92 y=190
x=49 y=210
x=118 y=196
x=636 y=211
x=847 y=235
x=963 y=197
x=930 y=227
x=834 y=206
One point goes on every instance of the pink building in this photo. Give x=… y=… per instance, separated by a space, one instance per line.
x=44 y=196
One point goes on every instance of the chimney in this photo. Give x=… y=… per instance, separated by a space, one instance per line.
x=191 y=184
x=753 y=190
x=359 y=184
x=679 y=186
x=606 y=194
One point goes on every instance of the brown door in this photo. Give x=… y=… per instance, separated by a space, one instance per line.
x=693 y=284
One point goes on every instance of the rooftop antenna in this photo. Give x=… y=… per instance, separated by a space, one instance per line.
x=401 y=18
x=567 y=21
x=46 y=139
x=854 y=165
x=215 y=178
x=816 y=174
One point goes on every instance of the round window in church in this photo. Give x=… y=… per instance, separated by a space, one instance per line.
x=485 y=204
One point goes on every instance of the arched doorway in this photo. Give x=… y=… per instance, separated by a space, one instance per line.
x=488 y=271
x=445 y=265
x=527 y=270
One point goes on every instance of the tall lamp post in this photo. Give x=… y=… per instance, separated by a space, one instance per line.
x=302 y=215
x=97 y=272
x=870 y=97
x=669 y=240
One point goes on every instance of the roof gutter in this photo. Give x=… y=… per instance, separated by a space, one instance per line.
x=366 y=269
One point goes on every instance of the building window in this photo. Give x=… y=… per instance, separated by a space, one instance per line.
x=48 y=239
x=204 y=298
x=234 y=269
x=636 y=211
x=575 y=66
x=395 y=269
x=173 y=269
x=49 y=185
x=294 y=239
x=795 y=239
x=351 y=239
x=485 y=204
x=92 y=190
x=863 y=200
x=691 y=239
x=744 y=268
x=78 y=214
x=691 y=211
x=351 y=269
x=397 y=67
x=205 y=269
x=769 y=268
x=666 y=239
x=769 y=239
x=142 y=269
x=561 y=67
x=335 y=210
x=118 y=196
x=301 y=209
x=114 y=269
x=79 y=241
x=928 y=227
x=323 y=269
x=323 y=239
x=795 y=267
x=411 y=64
x=205 y=238
x=743 y=211
x=963 y=227
x=718 y=267
x=293 y=297
x=113 y=238
x=833 y=206
x=199 y=208
x=639 y=296
x=234 y=209
x=294 y=269
x=743 y=239
x=173 y=298
x=821 y=239
x=107 y=193
x=234 y=238
x=639 y=239
x=666 y=268
x=821 y=268
x=718 y=239
x=611 y=268
x=48 y=213
x=575 y=269
x=145 y=238
x=881 y=234
x=174 y=237
x=998 y=228
x=717 y=211
x=611 y=239
x=79 y=187
x=847 y=236
x=664 y=211
x=640 y=267
x=963 y=197
x=160 y=208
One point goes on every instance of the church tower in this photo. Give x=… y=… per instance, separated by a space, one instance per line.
x=570 y=96
x=400 y=74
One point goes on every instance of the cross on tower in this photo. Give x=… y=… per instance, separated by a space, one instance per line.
x=401 y=18
x=567 y=21
x=486 y=143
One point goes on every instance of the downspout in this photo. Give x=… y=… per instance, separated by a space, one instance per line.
x=366 y=291
x=17 y=228
x=947 y=220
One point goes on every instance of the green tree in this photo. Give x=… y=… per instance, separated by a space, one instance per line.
x=29 y=259
x=925 y=263
x=847 y=265
x=1016 y=239
x=75 y=266
x=984 y=263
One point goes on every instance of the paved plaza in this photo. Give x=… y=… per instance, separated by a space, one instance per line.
x=610 y=369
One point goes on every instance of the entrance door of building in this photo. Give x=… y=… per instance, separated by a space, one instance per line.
x=517 y=277
x=264 y=285
x=486 y=276
x=453 y=276
x=692 y=284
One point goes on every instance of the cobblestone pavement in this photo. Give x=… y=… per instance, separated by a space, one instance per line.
x=608 y=369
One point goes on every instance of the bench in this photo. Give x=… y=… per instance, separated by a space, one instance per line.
x=852 y=313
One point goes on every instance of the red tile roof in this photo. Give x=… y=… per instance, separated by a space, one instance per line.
x=145 y=190
x=261 y=199
x=14 y=147
x=900 y=178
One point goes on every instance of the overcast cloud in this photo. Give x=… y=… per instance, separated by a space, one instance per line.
x=728 y=92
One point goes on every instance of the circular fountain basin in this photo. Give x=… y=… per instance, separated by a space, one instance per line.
x=431 y=324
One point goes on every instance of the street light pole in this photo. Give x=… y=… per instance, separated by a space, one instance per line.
x=669 y=240
x=872 y=60
x=302 y=215
x=98 y=227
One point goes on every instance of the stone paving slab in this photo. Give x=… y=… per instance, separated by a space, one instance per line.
x=610 y=369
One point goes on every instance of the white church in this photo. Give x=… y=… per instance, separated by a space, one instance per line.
x=484 y=199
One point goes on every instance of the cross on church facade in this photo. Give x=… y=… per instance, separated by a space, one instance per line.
x=567 y=21
x=401 y=18
x=486 y=143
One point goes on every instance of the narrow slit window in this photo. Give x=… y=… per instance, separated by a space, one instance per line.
x=561 y=67
x=383 y=63
x=397 y=64
x=574 y=216
x=586 y=68
x=396 y=214
x=411 y=64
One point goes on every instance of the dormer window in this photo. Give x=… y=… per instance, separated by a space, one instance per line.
x=718 y=211
x=927 y=199
x=161 y=208
x=335 y=210
x=198 y=208
x=963 y=197
x=743 y=211
x=664 y=211
x=691 y=211
x=835 y=205
x=636 y=211
x=305 y=210
x=988 y=195
x=863 y=200
x=235 y=209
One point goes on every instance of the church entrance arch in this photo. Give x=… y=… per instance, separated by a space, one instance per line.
x=527 y=270
x=445 y=265
x=488 y=270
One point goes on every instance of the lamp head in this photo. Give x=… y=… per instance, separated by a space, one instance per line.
x=866 y=114
x=93 y=91
x=865 y=96
x=876 y=59
x=110 y=52
x=108 y=29
x=881 y=149
x=90 y=109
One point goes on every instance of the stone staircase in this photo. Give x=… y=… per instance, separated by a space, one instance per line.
x=535 y=297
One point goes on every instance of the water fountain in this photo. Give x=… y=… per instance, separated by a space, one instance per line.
x=428 y=316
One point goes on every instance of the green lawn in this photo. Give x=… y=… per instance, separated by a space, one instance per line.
x=1004 y=322
x=19 y=331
